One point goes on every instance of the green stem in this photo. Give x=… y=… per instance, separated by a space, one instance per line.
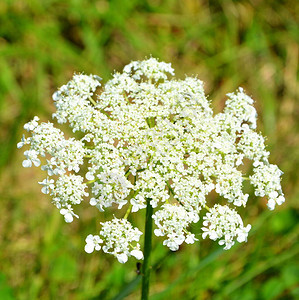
x=91 y=181
x=207 y=208
x=128 y=212
x=92 y=101
x=147 y=251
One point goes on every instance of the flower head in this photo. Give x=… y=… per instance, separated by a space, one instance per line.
x=120 y=239
x=224 y=224
x=92 y=243
x=148 y=137
x=172 y=221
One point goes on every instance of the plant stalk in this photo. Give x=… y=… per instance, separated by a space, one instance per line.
x=146 y=268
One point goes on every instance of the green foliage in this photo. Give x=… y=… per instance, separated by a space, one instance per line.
x=5 y=289
x=64 y=269
x=227 y=43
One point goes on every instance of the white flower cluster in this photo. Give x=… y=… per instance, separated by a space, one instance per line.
x=172 y=221
x=151 y=69
x=119 y=238
x=145 y=137
x=66 y=155
x=68 y=190
x=266 y=179
x=73 y=100
x=224 y=223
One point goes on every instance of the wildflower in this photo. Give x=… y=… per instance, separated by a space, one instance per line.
x=92 y=243
x=266 y=179
x=47 y=185
x=68 y=214
x=146 y=137
x=172 y=221
x=121 y=239
x=225 y=224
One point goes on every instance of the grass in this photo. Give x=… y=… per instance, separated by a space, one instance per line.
x=227 y=43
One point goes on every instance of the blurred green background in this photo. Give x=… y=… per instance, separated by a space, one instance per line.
x=253 y=44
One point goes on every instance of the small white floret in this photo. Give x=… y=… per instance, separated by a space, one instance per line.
x=137 y=253
x=122 y=258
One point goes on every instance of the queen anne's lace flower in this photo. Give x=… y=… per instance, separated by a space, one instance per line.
x=145 y=137
x=172 y=221
x=225 y=224
x=92 y=243
x=48 y=185
x=73 y=100
x=266 y=179
x=150 y=69
x=121 y=239
x=240 y=107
